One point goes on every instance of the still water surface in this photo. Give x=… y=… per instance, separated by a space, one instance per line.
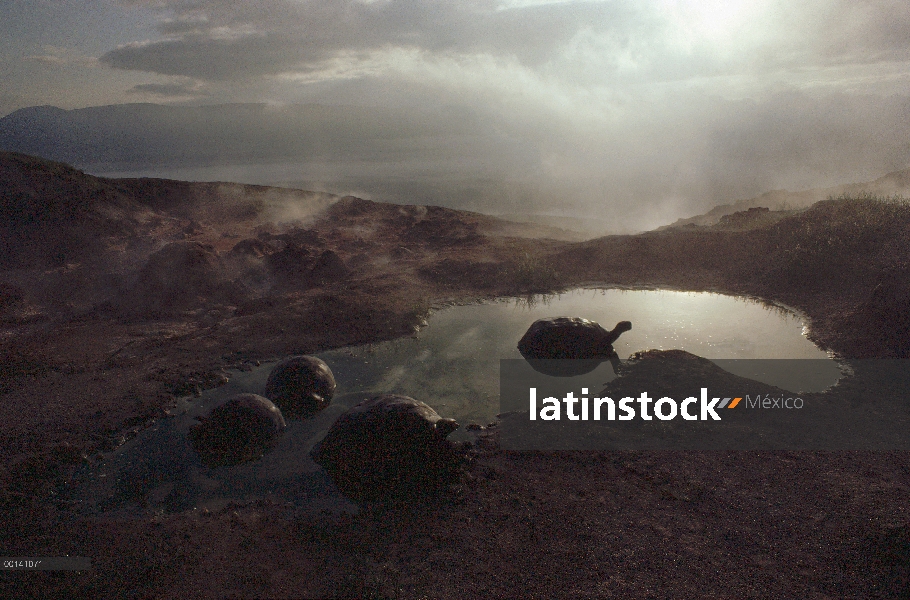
x=453 y=365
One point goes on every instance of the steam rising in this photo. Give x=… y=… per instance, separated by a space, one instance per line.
x=631 y=113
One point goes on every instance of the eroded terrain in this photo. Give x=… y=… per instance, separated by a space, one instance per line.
x=118 y=296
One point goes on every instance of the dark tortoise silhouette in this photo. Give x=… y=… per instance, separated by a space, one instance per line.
x=242 y=429
x=581 y=341
x=301 y=386
x=389 y=447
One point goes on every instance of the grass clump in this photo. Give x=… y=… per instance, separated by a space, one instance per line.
x=531 y=274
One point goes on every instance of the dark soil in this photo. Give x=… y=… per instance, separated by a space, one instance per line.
x=78 y=378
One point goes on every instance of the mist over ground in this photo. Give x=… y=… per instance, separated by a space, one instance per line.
x=628 y=114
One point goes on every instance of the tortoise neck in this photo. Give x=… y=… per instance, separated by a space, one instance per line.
x=614 y=334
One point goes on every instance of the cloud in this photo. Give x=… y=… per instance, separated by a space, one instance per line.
x=590 y=41
x=11 y=102
x=214 y=59
x=178 y=90
x=63 y=57
x=216 y=40
x=624 y=108
x=846 y=31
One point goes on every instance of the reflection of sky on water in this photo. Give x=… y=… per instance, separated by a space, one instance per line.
x=452 y=365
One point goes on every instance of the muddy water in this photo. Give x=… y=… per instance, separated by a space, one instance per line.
x=453 y=365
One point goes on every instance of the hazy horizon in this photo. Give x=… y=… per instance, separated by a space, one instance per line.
x=636 y=113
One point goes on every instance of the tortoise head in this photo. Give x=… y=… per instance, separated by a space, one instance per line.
x=621 y=327
x=445 y=426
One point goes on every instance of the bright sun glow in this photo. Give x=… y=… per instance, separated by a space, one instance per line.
x=713 y=20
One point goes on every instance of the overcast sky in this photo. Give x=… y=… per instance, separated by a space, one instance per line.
x=634 y=110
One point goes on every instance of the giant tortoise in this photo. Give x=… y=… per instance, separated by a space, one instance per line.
x=242 y=429
x=300 y=386
x=389 y=447
x=581 y=341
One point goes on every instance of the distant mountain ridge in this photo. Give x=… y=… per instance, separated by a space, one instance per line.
x=352 y=145
x=124 y=136
x=440 y=155
x=896 y=183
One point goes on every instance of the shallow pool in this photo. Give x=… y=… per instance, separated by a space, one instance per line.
x=453 y=365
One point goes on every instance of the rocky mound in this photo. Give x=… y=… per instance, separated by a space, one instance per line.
x=327 y=268
x=180 y=276
x=51 y=214
x=253 y=248
x=292 y=261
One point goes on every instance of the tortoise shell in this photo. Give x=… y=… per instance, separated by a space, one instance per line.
x=388 y=447
x=569 y=338
x=301 y=386
x=242 y=429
